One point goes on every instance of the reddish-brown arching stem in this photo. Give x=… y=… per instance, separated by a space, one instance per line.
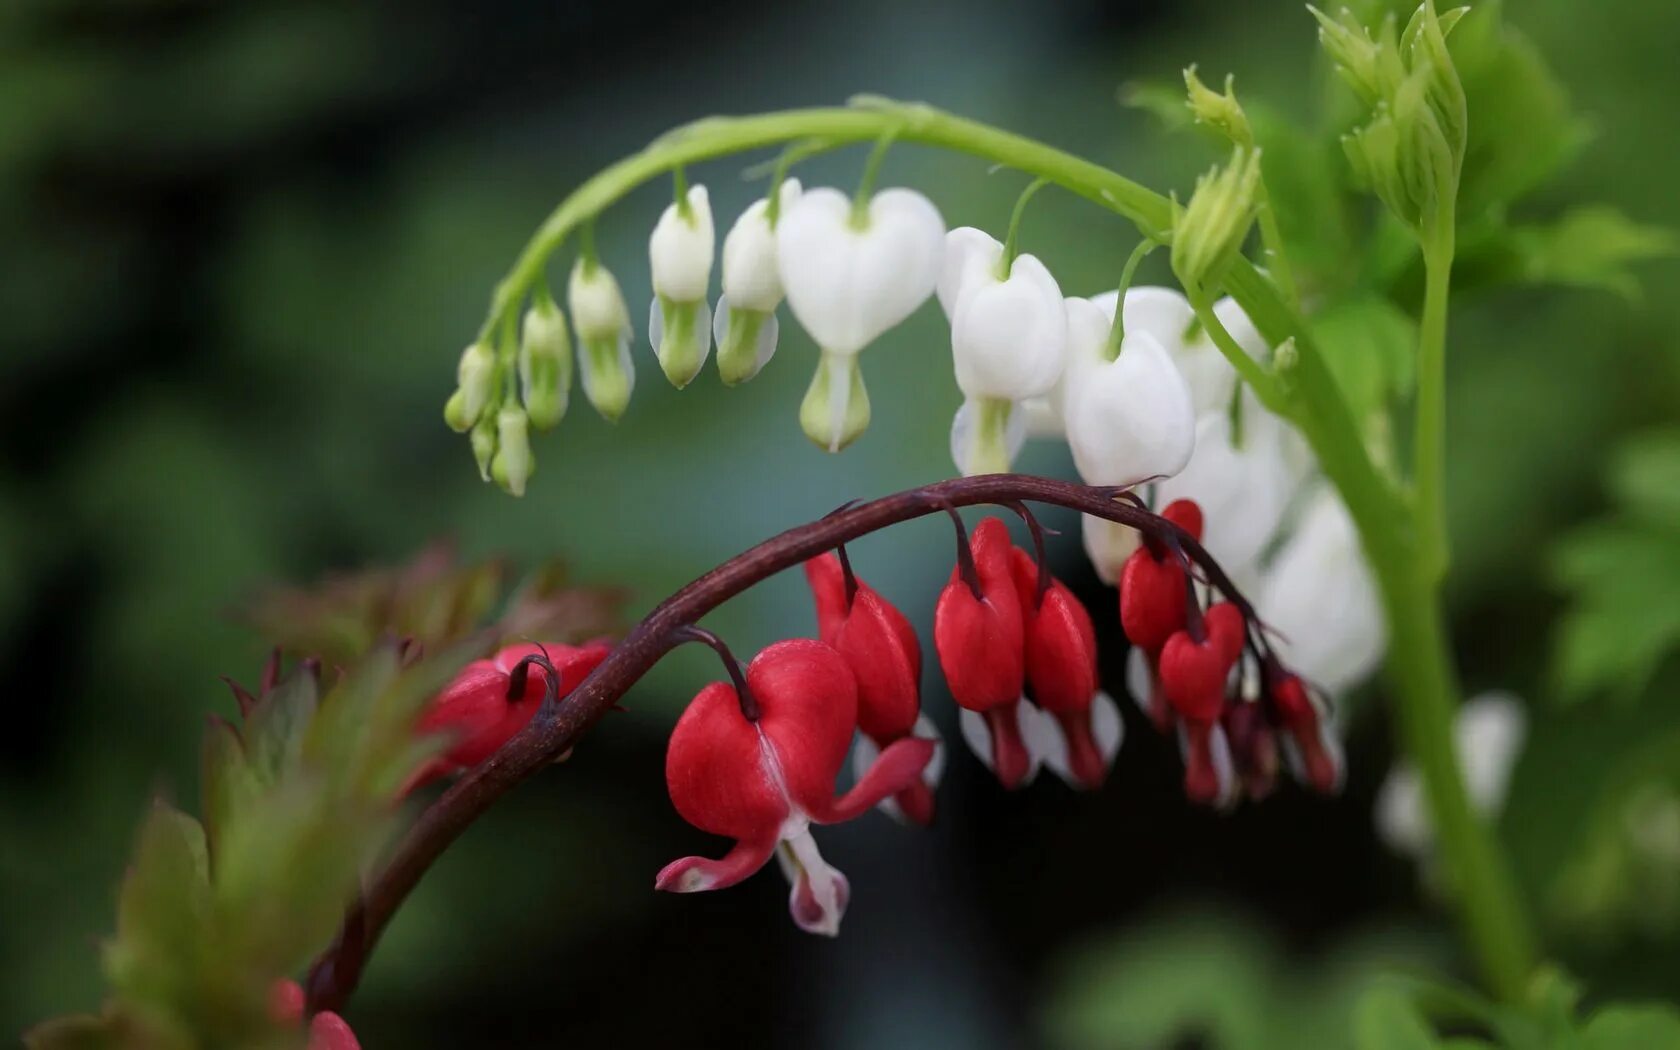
x=558 y=726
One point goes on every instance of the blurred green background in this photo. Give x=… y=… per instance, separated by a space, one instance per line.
x=240 y=247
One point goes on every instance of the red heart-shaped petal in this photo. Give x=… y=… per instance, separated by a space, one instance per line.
x=1193 y=676
x=1152 y=598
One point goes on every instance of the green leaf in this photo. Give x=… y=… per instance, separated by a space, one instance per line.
x=1370 y=346
x=1625 y=616
x=1645 y=476
x=274 y=733
x=1632 y=1028
x=81 y=1032
x=1590 y=246
x=1386 y=1020
x=163 y=910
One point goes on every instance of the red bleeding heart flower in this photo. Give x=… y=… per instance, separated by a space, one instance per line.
x=981 y=642
x=1309 y=738
x=491 y=700
x=1061 y=676
x=327 y=1030
x=764 y=780
x=1153 y=591
x=1195 y=674
x=885 y=656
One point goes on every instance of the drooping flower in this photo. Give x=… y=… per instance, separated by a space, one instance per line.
x=1195 y=675
x=545 y=362
x=885 y=656
x=1307 y=730
x=680 y=261
x=490 y=700
x=1008 y=341
x=602 y=323
x=1488 y=737
x=473 y=380
x=1130 y=420
x=1320 y=600
x=1083 y=729
x=851 y=274
x=1154 y=601
x=981 y=641
x=745 y=325
x=761 y=770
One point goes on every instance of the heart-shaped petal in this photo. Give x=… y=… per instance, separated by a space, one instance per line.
x=1131 y=419
x=847 y=282
x=1009 y=336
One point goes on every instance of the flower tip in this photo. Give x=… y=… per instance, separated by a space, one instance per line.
x=683 y=876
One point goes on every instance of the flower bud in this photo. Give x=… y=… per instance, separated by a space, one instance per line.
x=545 y=363
x=680 y=258
x=1209 y=231
x=484 y=445
x=474 y=381
x=512 y=464
x=1132 y=418
x=848 y=281
x=603 y=330
x=836 y=406
x=745 y=324
x=1220 y=112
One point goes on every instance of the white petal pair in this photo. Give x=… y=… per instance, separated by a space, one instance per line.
x=1046 y=746
x=680 y=260
x=745 y=324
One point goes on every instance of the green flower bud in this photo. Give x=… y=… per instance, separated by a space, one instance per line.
x=1221 y=112
x=474 y=379
x=513 y=463
x=745 y=339
x=603 y=332
x=1210 y=230
x=484 y=445
x=681 y=334
x=545 y=363
x=836 y=407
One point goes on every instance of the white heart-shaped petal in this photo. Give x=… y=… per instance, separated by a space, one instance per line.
x=1320 y=598
x=1162 y=312
x=1009 y=337
x=846 y=284
x=970 y=254
x=1131 y=419
x=751 y=278
x=1108 y=730
x=1243 y=492
x=1108 y=544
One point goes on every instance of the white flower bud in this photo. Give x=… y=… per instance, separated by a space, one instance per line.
x=512 y=465
x=751 y=278
x=1319 y=597
x=545 y=364
x=680 y=258
x=680 y=250
x=1130 y=419
x=474 y=378
x=1009 y=334
x=848 y=282
x=598 y=310
x=603 y=329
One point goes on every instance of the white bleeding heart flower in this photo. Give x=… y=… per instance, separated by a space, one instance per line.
x=680 y=260
x=1088 y=325
x=745 y=325
x=602 y=323
x=969 y=255
x=1243 y=490
x=1162 y=312
x=1488 y=737
x=1320 y=599
x=1211 y=376
x=850 y=275
x=1008 y=343
x=1130 y=419
x=850 y=278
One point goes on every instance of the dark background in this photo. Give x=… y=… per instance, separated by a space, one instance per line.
x=240 y=246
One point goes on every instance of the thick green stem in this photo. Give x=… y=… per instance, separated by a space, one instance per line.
x=1484 y=890
x=1431 y=439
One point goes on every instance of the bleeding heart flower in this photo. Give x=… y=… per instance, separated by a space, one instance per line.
x=745 y=325
x=849 y=276
x=981 y=642
x=680 y=261
x=1309 y=738
x=764 y=781
x=1061 y=676
x=1153 y=588
x=491 y=700
x=1195 y=675
x=1131 y=419
x=885 y=656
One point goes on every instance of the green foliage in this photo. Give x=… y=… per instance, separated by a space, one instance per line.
x=1623 y=576
x=297 y=801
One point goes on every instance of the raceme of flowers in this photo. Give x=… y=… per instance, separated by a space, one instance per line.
x=756 y=759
